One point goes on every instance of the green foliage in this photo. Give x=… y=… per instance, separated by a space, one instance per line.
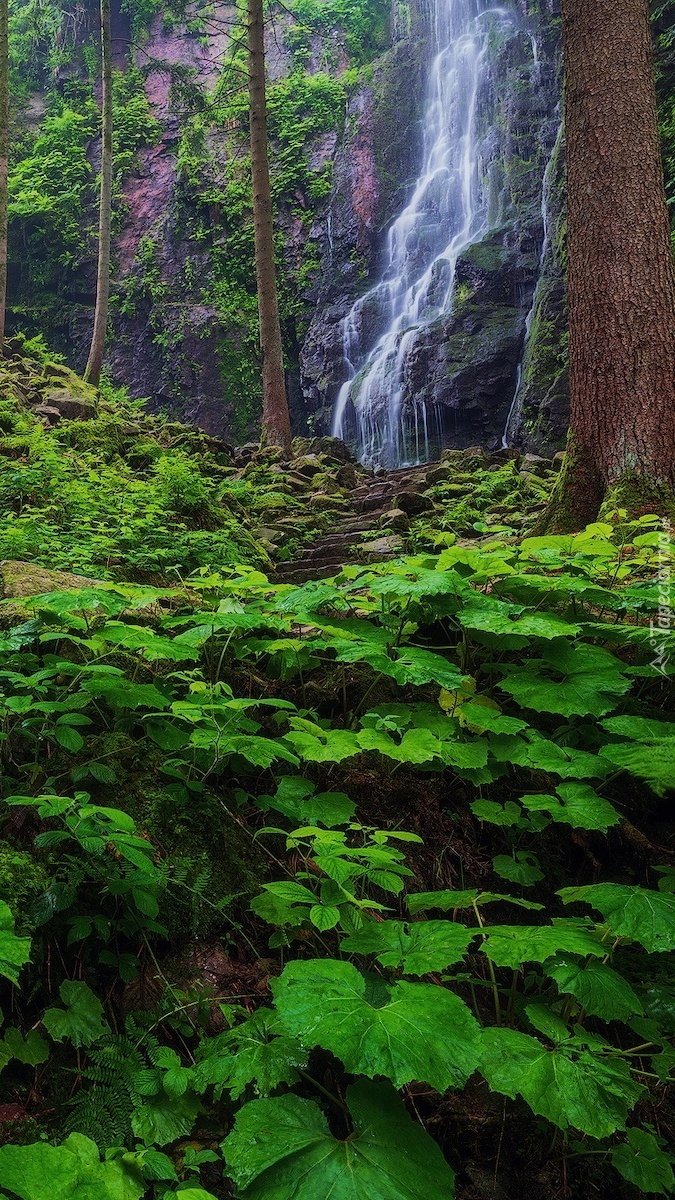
x=42 y=1172
x=81 y=1020
x=302 y=715
x=14 y=951
x=282 y=1149
x=575 y=1083
x=367 y=1025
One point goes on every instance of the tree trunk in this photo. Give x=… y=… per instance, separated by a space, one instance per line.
x=276 y=426
x=4 y=157
x=94 y=366
x=621 y=276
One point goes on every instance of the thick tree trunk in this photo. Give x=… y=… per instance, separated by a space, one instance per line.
x=276 y=426
x=94 y=366
x=620 y=266
x=4 y=157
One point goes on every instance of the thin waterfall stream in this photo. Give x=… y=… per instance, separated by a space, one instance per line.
x=376 y=410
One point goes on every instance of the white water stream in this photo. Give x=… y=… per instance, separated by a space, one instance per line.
x=447 y=211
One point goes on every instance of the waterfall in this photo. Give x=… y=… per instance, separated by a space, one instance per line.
x=448 y=210
x=512 y=420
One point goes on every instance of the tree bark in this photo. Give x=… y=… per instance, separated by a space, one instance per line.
x=276 y=426
x=4 y=157
x=621 y=276
x=94 y=366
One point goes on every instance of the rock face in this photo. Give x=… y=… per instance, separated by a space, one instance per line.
x=464 y=366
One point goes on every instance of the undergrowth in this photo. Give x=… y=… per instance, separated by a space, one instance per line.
x=450 y=916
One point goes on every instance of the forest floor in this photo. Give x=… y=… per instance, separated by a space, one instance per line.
x=331 y=801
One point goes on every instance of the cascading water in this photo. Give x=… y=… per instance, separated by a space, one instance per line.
x=375 y=408
x=514 y=414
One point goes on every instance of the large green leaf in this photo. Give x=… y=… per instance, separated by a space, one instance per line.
x=490 y=615
x=642 y=1161
x=417 y=949
x=282 y=1149
x=447 y=900
x=295 y=798
x=407 y=1031
x=637 y=913
x=163 y=1118
x=600 y=990
x=258 y=1051
x=570 y=1085
x=14 y=951
x=576 y=804
x=653 y=761
x=73 y=1171
x=511 y=945
x=569 y=679
x=82 y=1019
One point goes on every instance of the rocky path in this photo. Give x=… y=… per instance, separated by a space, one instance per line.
x=386 y=502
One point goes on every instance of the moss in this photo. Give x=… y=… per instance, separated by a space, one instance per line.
x=22 y=881
x=487 y=256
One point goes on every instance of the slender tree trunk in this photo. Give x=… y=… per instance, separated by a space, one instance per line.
x=94 y=366
x=276 y=426
x=4 y=157
x=620 y=266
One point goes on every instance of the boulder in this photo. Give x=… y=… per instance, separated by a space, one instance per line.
x=69 y=405
x=414 y=503
x=395 y=519
x=534 y=464
x=330 y=447
x=438 y=475
x=307 y=465
x=384 y=547
x=47 y=412
x=20 y=579
x=558 y=460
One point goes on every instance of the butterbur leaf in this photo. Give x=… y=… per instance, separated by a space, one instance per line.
x=163 y=1118
x=264 y=1055
x=14 y=951
x=569 y=1085
x=652 y=761
x=30 y=1050
x=81 y=1021
x=446 y=901
x=122 y=693
x=521 y=867
x=497 y=814
x=641 y=1161
x=644 y=916
x=576 y=804
x=511 y=945
x=73 y=1171
x=408 y=1031
x=282 y=1149
x=417 y=949
x=569 y=679
x=600 y=990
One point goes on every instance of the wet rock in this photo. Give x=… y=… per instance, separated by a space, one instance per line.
x=534 y=464
x=307 y=465
x=384 y=547
x=331 y=448
x=438 y=475
x=414 y=503
x=396 y=520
